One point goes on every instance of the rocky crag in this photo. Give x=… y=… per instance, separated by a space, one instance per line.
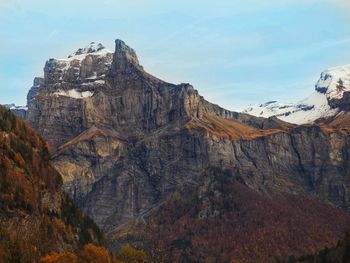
x=125 y=142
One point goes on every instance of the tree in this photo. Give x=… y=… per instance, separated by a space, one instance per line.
x=132 y=255
x=94 y=254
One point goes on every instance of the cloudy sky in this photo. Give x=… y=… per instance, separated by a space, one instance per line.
x=234 y=52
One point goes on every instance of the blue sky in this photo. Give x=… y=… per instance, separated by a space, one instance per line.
x=234 y=52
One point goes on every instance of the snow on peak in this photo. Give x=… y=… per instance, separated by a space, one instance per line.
x=331 y=85
x=74 y=94
x=15 y=107
x=86 y=64
x=305 y=111
x=334 y=82
x=92 y=49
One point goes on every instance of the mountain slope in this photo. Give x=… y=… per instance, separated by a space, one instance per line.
x=35 y=216
x=126 y=141
x=337 y=254
x=223 y=220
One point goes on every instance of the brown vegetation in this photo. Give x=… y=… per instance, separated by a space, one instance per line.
x=225 y=220
x=228 y=128
x=94 y=254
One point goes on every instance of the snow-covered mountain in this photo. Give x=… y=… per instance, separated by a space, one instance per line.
x=18 y=110
x=322 y=103
x=87 y=64
x=14 y=107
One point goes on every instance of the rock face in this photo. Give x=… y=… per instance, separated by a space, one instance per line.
x=34 y=89
x=125 y=141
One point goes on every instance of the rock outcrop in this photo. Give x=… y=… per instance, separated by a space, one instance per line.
x=124 y=141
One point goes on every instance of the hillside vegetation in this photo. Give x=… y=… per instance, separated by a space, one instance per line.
x=36 y=217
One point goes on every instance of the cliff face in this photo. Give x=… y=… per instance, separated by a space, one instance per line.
x=124 y=141
x=36 y=217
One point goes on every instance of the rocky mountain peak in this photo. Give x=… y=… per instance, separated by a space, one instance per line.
x=124 y=59
x=89 y=49
x=86 y=64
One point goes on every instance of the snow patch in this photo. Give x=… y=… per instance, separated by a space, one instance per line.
x=98 y=82
x=73 y=93
x=75 y=59
x=92 y=49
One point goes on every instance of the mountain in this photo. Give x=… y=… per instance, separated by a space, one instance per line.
x=331 y=96
x=156 y=165
x=36 y=217
x=20 y=111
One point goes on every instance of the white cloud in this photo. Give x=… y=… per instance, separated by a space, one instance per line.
x=5 y=3
x=340 y=3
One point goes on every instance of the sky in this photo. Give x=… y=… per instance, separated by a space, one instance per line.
x=235 y=53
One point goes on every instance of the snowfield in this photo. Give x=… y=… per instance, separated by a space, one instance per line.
x=331 y=85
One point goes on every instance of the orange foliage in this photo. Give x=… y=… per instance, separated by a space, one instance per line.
x=94 y=254
x=28 y=184
x=65 y=257
x=90 y=254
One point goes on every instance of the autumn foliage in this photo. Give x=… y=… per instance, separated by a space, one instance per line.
x=65 y=257
x=225 y=220
x=36 y=217
x=94 y=254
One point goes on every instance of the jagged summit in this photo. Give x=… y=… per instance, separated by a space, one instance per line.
x=92 y=49
x=84 y=65
x=123 y=49
x=125 y=59
x=89 y=49
x=91 y=63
